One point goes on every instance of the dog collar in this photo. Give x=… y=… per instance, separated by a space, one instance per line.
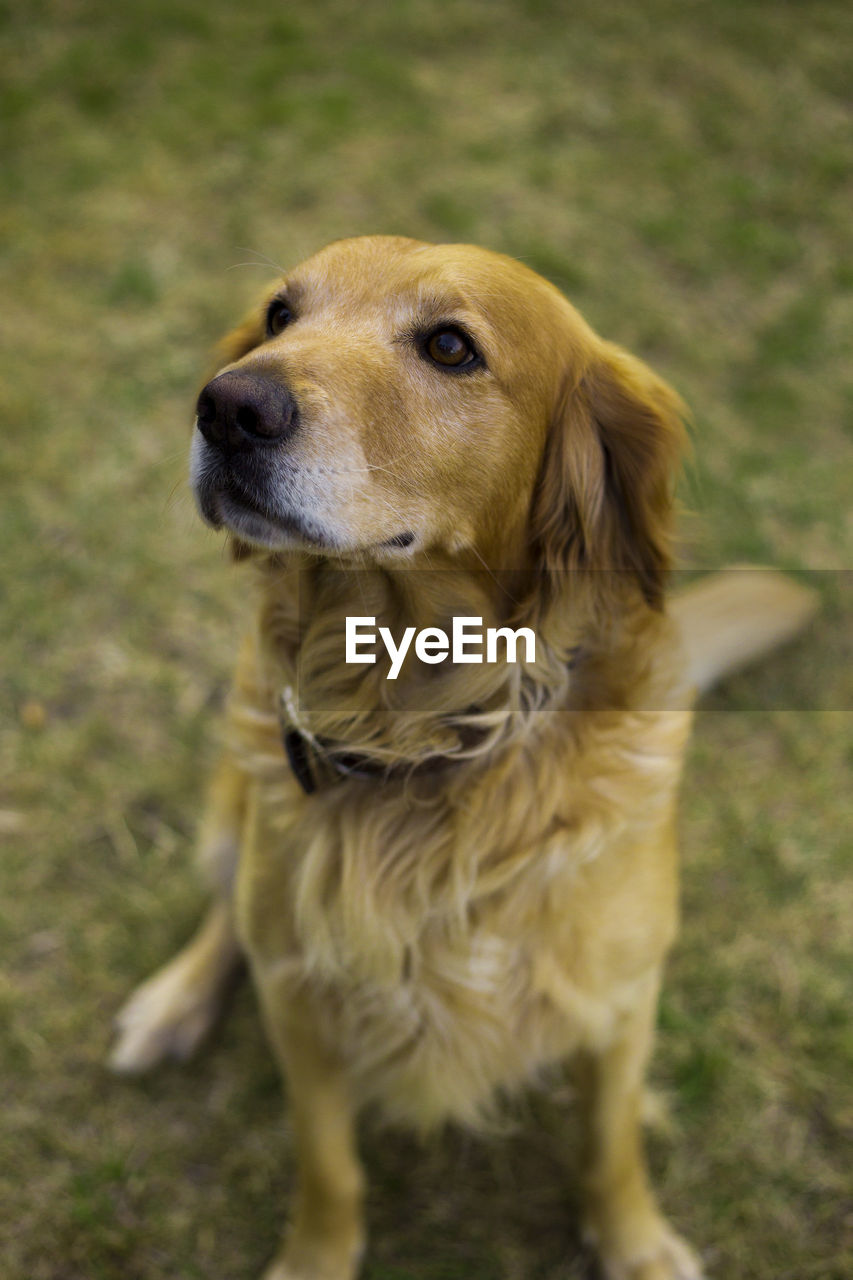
x=314 y=761
x=296 y=749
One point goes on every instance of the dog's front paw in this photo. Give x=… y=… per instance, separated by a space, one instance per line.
x=283 y=1270
x=650 y=1252
x=333 y=1253
x=166 y=1017
x=314 y=1265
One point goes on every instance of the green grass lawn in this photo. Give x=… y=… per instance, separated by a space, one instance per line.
x=683 y=170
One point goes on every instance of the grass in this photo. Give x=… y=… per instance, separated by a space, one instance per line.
x=683 y=170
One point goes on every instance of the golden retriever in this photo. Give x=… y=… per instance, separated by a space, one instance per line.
x=448 y=882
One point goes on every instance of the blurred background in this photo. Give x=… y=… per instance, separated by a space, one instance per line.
x=682 y=169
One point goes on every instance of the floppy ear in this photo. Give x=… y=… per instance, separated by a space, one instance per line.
x=604 y=497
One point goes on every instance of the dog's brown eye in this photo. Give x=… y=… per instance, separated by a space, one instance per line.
x=450 y=348
x=279 y=316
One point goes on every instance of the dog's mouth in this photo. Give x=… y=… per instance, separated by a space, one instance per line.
x=238 y=498
x=225 y=501
x=276 y=529
x=280 y=530
x=253 y=521
x=286 y=530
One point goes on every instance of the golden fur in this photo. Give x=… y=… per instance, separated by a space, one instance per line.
x=503 y=899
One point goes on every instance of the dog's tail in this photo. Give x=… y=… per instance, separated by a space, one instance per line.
x=729 y=619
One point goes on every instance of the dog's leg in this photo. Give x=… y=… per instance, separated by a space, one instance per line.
x=168 y=1016
x=326 y=1236
x=621 y=1217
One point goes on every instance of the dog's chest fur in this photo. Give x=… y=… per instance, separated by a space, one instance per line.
x=463 y=937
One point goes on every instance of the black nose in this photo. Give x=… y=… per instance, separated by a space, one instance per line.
x=239 y=411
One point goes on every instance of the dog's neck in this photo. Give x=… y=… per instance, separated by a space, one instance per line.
x=445 y=710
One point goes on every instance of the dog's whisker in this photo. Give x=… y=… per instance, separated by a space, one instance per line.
x=497 y=583
x=259 y=260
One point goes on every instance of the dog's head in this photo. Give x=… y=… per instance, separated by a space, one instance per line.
x=391 y=401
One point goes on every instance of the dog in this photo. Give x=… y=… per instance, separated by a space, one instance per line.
x=447 y=883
